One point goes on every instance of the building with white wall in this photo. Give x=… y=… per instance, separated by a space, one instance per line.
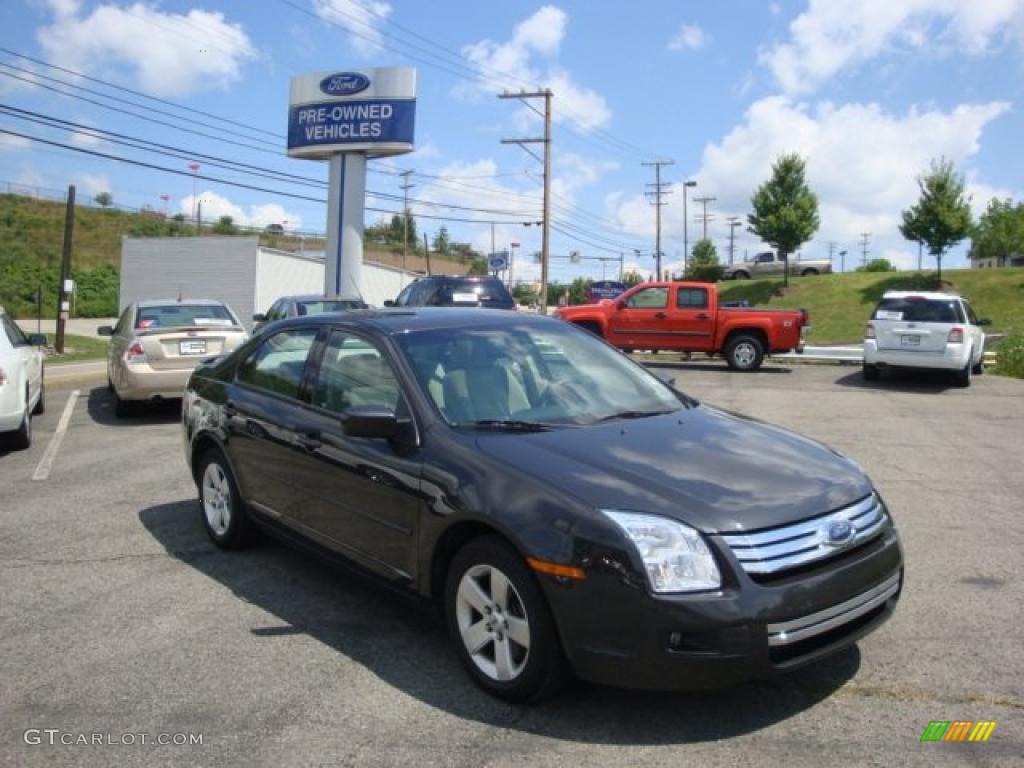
x=236 y=270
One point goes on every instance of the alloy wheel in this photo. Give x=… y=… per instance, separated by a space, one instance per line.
x=492 y=623
x=216 y=498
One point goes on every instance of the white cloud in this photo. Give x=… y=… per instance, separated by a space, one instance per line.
x=513 y=65
x=361 y=18
x=91 y=184
x=9 y=143
x=214 y=206
x=862 y=162
x=85 y=138
x=689 y=37
x=830 y=36
x=169 y=54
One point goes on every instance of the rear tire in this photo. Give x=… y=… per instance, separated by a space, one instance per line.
x=502 y=630
x=871 y=372
x=963 y=377
x=979 y=369
x=808 y=272
x=220 y=505
x=744 y=353
x=740 y=275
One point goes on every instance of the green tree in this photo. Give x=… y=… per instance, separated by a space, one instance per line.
x=785 y=210
x=999 y=233
x=442 y=241
x=632 y=278
x=225 y=226
x=579 y=290
x=941 y=218
x=104 y=199
x=877 y=265
x=703 y=265
x=402 y=226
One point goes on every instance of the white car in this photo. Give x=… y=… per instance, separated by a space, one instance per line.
x=915 y=329
x=22 y=391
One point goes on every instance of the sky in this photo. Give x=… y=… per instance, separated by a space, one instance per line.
x=868 y=92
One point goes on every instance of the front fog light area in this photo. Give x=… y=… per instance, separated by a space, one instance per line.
x=675 y=556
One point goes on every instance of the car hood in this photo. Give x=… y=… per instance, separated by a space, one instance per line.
x=715 y=471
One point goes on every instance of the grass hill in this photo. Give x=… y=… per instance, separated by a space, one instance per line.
x=839 y=304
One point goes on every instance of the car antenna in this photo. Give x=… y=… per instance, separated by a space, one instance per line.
x=359 y=294
x=179 y=293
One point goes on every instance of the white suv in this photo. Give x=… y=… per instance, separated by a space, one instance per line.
x=21 y=382
x=913 y=329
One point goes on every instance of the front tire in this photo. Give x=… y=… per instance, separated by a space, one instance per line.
x=40 y=408
x=21 y=438
x=808 y=273
x=223 y=512
x=740 y=275
x=744 y=353
x=500 y=624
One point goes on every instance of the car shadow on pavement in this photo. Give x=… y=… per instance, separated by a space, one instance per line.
x=705 y=365
x=101 y=406
x=403 y=642
x=913 y=382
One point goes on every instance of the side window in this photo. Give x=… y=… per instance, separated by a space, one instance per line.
x=649 y=298
x=354 y=372
x=422 y=292
x=692 y=298
x=279 y=363
x=403 y=297
x=971 y=317
x=765 y=258
x=14 y=334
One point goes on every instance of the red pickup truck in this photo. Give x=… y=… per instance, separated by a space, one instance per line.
x=686 y=317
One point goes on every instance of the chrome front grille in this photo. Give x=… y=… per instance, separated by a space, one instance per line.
x=788 y=546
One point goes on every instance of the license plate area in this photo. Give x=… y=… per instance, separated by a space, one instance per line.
x=910 y=341
x=192 y=347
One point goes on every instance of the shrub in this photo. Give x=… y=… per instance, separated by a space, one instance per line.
x=1011 y=356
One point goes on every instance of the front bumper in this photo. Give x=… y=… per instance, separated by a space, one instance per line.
x=953 y=358
x=616 y=632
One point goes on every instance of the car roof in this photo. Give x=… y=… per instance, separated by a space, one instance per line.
x=931 y=295
x=320 y=297
x=146 y=303
x=405 y=319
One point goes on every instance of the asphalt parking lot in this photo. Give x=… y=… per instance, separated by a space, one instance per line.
x=117 y=616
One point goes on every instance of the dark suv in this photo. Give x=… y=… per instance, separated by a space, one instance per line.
x=455 y=291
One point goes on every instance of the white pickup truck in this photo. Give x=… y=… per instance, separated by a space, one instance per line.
x=768 y=264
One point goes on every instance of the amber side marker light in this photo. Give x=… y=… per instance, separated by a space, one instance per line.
x=554 y=569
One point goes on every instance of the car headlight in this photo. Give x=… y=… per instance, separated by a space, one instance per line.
x=676 y=557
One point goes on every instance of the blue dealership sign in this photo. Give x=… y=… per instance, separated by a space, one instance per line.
x=389 y=121
x=606 y=289
x=344 y=84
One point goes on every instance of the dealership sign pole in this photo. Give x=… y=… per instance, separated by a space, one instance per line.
x=344 y=117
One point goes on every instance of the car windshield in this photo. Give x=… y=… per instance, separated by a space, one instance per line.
x=531 y=374
x=322 y=306
x=918 y=310
x=184 y=316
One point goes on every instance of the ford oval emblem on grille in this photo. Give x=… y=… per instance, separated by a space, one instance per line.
x=838 y=532
x=344 y=84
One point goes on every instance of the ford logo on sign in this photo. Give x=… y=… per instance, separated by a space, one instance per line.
x=344 y=84
x=838 y=533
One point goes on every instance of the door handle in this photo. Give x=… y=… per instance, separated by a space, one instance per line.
x=660 y=315
x=703 y=316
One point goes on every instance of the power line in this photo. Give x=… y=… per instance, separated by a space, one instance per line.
x=660 y=189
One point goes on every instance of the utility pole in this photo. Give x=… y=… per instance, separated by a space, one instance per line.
x=65 y=269
x=734 y=221
x=659 y=189
x=546 y=141
x=195 y=171
x=865 y=238
x=704 y=216
x=842 y=261
x=426 y=251
x=686 y=234
x=622 y=266
x=405 y=186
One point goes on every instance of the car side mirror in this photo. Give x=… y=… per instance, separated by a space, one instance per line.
x=374 y=421
x=105 y=330
x=620 y=305
x=389 y=303
x=259 y=317
x=37 y=340
x=984 y=321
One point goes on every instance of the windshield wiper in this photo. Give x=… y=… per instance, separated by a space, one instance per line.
x=508 y=425
x=630 y=415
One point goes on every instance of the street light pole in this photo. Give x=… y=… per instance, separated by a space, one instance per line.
x=195 y=170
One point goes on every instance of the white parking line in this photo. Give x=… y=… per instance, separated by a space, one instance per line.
x=46 y=463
